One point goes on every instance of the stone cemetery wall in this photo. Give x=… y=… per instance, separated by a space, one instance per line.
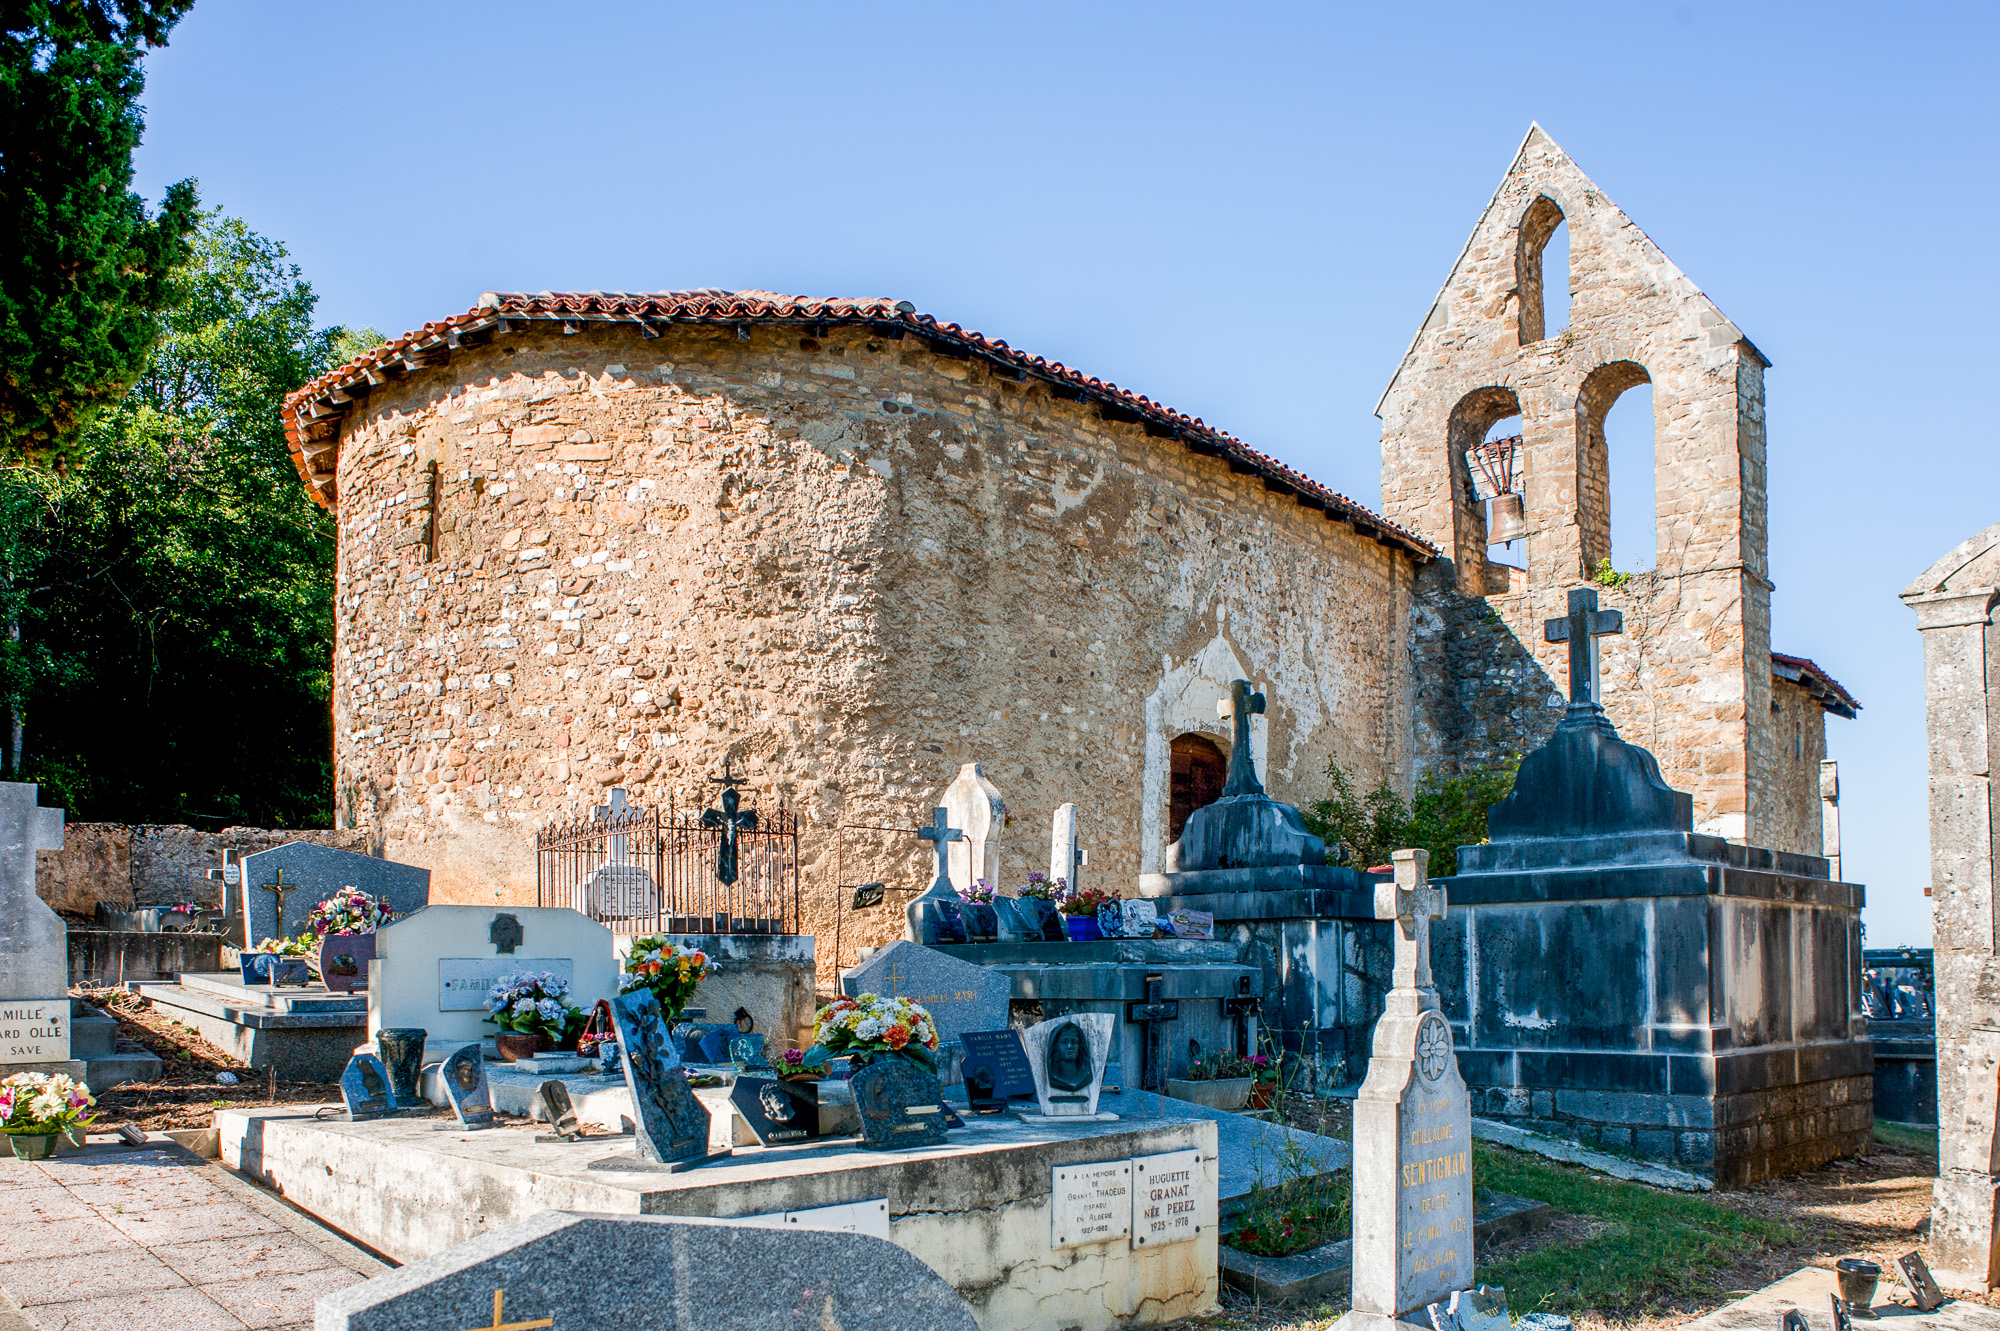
x=1690 y=678
x=129 y=865
x=846 y=564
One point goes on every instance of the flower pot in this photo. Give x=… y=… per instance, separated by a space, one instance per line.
x=1083 y=929
x=544 y=1042
x=514 y=1045
x=33 y=1145
x=1262 y=1094
x=402 y=1050
x=1230 y=1093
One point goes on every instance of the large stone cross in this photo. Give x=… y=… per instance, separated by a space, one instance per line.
x=1412 y=902
x=1581 y=628
x=941 y=832
x=615 y=809
x=1242 y=703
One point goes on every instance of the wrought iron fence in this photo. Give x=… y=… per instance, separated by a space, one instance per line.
x=654 y=871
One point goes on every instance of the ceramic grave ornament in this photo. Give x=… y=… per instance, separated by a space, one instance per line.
x=1412 y=1129
x=1067 y=1056
x=463 y=1075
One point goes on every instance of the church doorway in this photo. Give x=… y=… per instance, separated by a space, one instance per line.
x=1199 y=768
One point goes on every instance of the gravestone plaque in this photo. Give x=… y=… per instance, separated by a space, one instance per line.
x=669 y=1124
x=1917 y=1279
x=1042 y=915
x=34 y=1030
x=982 y=922
x=1013 y=923
x=959 y=996
x=1090 y=1204
x=746 y=1052
x=464 y=982
x=558 y=1110
x=1166 y=1198
x=1067 y=1056
x=280 y=886
x=567 y=1272
x=364 y=1086
x=1481 y=1309
x=994 y=1069
x=900 y=1105
x=1412 y=1127
x=1191 y=923
x=1843 y=1320
x=343 y=961
x=777 y=1112
x=273 y=969
x=463 y=1075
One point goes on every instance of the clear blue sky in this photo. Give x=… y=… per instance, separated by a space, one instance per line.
x=1243 y=211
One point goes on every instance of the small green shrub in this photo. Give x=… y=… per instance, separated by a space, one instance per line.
x=1447 y=812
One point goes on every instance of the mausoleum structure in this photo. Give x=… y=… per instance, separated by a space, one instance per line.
x=1954 y=600
x=1615 y=976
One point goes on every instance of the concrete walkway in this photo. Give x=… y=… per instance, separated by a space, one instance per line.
x=154 y=1238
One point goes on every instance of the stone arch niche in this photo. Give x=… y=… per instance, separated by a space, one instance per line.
x=1538 y=224
x=1183 y=704
x=1601 y=389
x=1466 y=429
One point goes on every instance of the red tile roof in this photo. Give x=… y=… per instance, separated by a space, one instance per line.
x=312 y=415
x=1815 y=681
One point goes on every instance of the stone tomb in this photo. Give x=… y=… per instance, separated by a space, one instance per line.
x=279 y=887
x=1617 y=978
x=34 y=953
x=959 y=996
x=979 y=1211
x=555 y=1270
x=306 y=1033
x=433 y=968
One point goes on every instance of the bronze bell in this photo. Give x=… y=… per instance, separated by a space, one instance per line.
x=1505 y=520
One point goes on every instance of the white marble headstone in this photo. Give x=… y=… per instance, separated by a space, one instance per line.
x=1066 y=858
x=34 y=941
x=973 y=805
x=432 y=967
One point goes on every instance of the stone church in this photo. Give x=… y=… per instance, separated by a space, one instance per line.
x=625 y=539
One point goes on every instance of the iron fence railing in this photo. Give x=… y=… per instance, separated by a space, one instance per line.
x=645 y=871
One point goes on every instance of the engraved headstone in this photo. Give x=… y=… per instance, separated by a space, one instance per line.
x=1412 y=1222
x=1066 y=855
x=959 y=995
x=463 y=1076
x=34 y=949
x=669 y=1124
x=1067 y=1056
x=777 y=1112
x=974 y=807
x=280 y=886
x=566 y=1272
x=995 y=1069
x=364 y=1087
x=900 y=1105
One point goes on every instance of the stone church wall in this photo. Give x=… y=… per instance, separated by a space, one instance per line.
x=846 y=565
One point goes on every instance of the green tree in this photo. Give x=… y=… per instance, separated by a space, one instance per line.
x=1446 y=812
x=173 y=585
x=84 y=271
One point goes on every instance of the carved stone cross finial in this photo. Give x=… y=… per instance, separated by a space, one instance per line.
x=1412 y=902
x=1581 y=628
x=941 y=832
x=1242 y=703
x=615 y=809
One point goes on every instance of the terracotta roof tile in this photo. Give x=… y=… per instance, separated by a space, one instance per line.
x=1815 y=681
x=312 y=414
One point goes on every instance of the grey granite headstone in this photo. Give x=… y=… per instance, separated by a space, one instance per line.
x=34 y=941
x=900 y=1105
x=364 y=1087
x=669 y=1123
x=463 y=1074
x=959 y=995
x=311 y=874
x=624 y=1273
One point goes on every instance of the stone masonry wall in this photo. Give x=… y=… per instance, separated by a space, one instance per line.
x=127 y=865
x=1690 y=677
x=1798 y=743
x=845 y=565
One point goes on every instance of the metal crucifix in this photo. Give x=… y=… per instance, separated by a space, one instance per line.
x=278 y=891
x=1581 y=628
x=732 y=821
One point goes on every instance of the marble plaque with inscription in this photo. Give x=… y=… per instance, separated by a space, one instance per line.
x=34 y=1030
x=1090 y=1204
x=463 y=982
x=1171 y=1199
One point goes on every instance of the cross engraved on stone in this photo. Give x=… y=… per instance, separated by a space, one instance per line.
x=500 y=1302
x=1581 y=628
x=941 y=832
x=733 y=823
x=1241 y=704
x=1412 y=902
x=278 y=890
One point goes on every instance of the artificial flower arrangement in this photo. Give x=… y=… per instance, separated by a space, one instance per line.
x=534 y=1003
x=1045 y=887
x=871 y=1025
x=795 y=1065
x=980 y=893
x=35 y=1104
x=671 y=970
x=348 y=911
x=303 y=945
x=1084 y=901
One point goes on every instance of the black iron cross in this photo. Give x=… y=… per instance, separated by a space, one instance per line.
x=1151 y=1012
x=278 y=890
x=1581 y=628
x=733 y=822
x=943 y=833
